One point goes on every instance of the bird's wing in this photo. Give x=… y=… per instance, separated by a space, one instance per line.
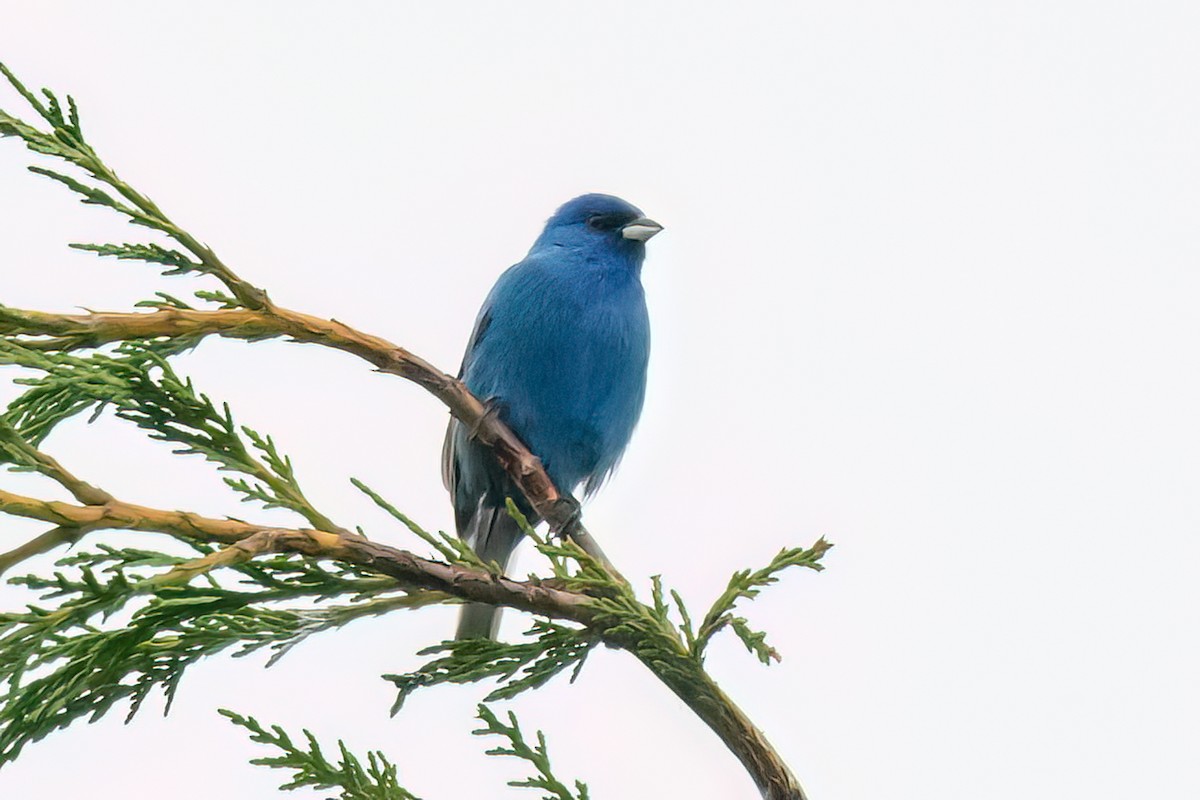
x=449 y=467
x=449 y=462
x=482 y=323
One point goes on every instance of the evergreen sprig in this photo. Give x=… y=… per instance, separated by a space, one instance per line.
x=537 y=754
x=175 y=262
x=573 y=569
x=549 y=648
x=59 y=666
x=65 y=138
x=375 y=780
x=15 y=451
x=101 y=186
x=69 y=386
x=745 y=585
x=142 y=387
x=64 y=663
x=453 y=549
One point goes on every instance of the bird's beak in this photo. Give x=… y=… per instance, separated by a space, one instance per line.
x=640 y=229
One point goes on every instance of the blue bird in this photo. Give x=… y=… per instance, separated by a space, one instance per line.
x=559 y=352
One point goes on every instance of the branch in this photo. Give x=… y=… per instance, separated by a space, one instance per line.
x=58 y=535
x=620 y=621
x=410 y=570
x=62 y=332
x=15 y=448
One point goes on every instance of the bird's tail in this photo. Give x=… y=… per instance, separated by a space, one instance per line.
x=494 y=535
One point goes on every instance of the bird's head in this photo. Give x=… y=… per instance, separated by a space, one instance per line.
x=598 y=221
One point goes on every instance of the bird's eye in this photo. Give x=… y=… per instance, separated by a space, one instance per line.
x=602 y=222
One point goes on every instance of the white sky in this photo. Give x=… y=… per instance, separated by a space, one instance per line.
x=927 y=288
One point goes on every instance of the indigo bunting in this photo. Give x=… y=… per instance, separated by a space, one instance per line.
x=559 y=353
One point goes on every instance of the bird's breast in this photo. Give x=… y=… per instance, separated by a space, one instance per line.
x=568 y=373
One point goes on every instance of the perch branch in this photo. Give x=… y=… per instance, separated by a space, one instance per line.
x=409 y=570
x=675 y=666
x=62 y=332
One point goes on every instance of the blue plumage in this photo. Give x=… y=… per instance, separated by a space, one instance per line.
x=560 y=350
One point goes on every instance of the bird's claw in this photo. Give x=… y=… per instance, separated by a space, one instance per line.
x=491 y=411
x=567 y=513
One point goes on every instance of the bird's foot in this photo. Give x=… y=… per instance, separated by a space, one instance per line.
x=565 y=516
x=491 y=411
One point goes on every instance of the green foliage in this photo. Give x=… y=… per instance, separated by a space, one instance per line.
x=139 y=384
x=376 y=780
x=451 y=548
x=15 y=452
x=64 y=140
x=68 y=662
x=745 y=585
x=549 y=649
x=573 y=569
x=537 y=755
x=220 y=298
x=176 y=263
x=100 y=186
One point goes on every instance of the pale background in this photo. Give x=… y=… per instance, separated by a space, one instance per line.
x=927 y=287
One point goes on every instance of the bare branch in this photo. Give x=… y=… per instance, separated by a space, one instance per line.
x=49 y=540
